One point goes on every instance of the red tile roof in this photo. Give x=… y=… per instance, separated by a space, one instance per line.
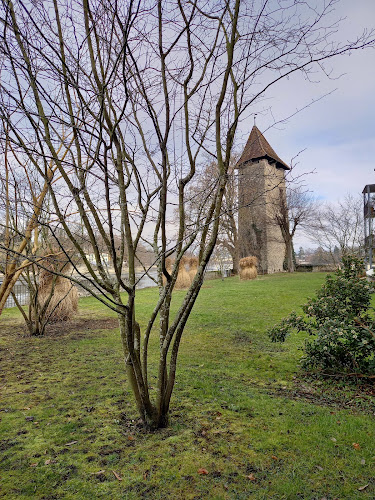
x=257 y=147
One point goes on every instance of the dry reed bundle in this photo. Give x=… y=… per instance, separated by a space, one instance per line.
x=169 y=264
x=183 y=279
x=248 y=262
x=193 y=267
x=248 y=268
x=60 y=294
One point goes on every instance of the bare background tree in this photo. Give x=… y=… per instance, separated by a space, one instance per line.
x=144 y=92
x=338 y=229
x=23 y=209
x=296 y=209
x=228 y=233
x=198 y=198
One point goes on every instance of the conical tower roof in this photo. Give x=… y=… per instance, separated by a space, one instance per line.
x=257 y=148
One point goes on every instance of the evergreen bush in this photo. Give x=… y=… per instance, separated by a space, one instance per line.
x=340 y=320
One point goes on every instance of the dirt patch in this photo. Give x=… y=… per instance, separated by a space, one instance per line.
x=75 y=328
x=80 y=326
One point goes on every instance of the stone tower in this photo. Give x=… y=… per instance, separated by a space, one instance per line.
x=261 y=187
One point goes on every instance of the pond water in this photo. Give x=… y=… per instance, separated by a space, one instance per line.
x=22 y=293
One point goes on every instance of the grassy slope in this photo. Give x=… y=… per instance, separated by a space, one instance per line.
x=239 y=410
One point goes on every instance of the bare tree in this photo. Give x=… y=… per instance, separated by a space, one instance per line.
x=198 y=198
x=21 y=208
x=220 y=258
x=147 y=91
x=51 y=298
x=295 y=208
x=228 y=232
x=338 y=229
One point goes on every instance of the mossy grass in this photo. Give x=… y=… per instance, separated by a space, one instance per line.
x=241 y=411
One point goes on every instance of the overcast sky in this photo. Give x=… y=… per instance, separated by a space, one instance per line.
x=337 y=133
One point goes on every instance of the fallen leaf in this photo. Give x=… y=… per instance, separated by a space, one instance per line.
x=361 y=488
x=202 y=472
x=334 y=440
x=130 y=438
x=98 y=473
x=33 y=465
x=71 y=442
x=49 y=461
x=356 y=446
x=251 y=477
x=119 y=478
x=274 y=458
x=319 y=467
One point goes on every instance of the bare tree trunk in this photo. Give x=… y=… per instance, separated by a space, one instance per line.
x=236 y=259
x=147 y=411
x=289 y=255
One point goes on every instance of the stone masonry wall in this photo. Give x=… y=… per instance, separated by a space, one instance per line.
x=251 y=218
x=260 y=186
x=275 y=186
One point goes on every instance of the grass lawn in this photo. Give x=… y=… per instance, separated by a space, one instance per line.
x=242 y=414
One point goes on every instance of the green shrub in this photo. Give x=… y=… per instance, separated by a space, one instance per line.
x=339 y=319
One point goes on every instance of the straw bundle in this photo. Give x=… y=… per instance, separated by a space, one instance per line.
x=248 y=268
x=187 y=269
x=193 y=267
x=60 y=292
x=169 y=264
x=183 y=278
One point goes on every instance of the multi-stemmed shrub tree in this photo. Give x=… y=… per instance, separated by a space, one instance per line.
x=146 y=92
